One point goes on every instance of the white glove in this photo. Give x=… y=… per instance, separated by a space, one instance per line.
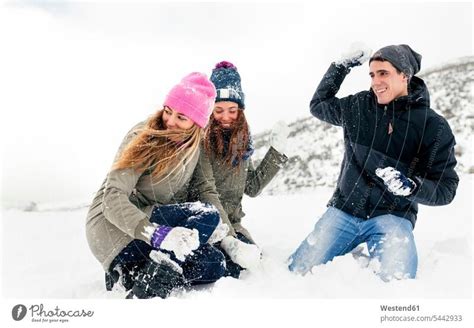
x=356 y=55
x=279 y=136
x=246 y=255
x=397 y=183
x=219 y=233
x=181 y=241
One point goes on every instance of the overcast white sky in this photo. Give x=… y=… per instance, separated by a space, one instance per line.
x=75 y=77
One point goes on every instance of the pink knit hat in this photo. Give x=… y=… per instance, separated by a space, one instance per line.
x=194 y=97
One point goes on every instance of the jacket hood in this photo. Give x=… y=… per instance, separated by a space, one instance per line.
x=418 y=92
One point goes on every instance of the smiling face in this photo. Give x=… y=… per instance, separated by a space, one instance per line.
x=174 y=120
x=387 y=83
x=226 y=113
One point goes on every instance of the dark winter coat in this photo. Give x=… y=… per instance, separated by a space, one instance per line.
x=121 y=209
x=405 y=134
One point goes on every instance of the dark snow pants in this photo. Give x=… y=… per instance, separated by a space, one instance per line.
x=205 y=265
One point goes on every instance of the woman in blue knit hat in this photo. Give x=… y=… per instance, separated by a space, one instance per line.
x=229 y=145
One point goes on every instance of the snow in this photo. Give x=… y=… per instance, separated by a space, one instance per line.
x=279 y=136
x=201 y=207
x=149 y=230
x=394 y=183
x=45 y=255
x=181 y=241
x=357 y=52
x=160 y=257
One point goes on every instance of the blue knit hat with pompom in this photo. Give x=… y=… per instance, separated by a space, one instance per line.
x=226 y=79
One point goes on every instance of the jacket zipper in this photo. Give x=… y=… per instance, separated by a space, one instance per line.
x=368 y=208
x=389 y=126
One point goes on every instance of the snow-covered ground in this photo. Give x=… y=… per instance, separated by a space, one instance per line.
x=45 y=254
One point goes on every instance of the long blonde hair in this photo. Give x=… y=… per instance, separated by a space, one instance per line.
x=155 y=149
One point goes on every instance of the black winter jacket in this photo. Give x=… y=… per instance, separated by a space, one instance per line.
x=405 y=134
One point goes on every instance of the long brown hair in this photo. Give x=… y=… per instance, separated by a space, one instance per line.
x=238 y=144
x=157 y=150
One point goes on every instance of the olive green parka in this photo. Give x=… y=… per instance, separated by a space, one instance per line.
x=233 y=183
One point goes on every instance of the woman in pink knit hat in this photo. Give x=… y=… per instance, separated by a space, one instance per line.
x=139 y=226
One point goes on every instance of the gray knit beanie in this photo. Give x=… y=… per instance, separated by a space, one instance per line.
x=401 y=56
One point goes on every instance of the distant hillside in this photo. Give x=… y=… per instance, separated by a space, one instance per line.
x=317 y=150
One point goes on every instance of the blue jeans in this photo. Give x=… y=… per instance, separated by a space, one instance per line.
x=389 y=240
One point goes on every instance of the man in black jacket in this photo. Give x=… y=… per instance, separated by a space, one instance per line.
x=398 y=153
